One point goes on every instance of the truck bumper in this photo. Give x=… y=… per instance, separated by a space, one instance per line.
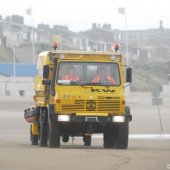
x=95 y=119
x=73 y=118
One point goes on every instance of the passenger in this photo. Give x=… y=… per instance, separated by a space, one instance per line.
x=103 y=77
x=71 y=75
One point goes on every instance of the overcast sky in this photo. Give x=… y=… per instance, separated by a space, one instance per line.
x=80 y=14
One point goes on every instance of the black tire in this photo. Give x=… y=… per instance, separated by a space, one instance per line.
x=34 y=138
x=65 y=138
x=43 y=127
x=109 y=136
x=122 y=136
x=123 y=132
x=106 y=140
x=87 y=140
x=54 y=135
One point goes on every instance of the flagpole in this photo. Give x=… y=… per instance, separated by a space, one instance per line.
x=33 y=43
x=127 y=41
x=14 y=55
x=123 y=11
x=14 y=60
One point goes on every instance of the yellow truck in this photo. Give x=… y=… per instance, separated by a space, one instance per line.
x=80 y=93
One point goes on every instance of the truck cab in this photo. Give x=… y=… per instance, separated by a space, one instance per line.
x=82 y=94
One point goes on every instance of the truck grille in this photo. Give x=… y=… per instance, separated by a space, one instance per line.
x=77 y=106
x=104 y=105
x=109 y=105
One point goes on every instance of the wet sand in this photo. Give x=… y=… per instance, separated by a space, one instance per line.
x=16 y=153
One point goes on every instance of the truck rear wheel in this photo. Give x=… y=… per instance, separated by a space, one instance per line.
x=109 y=136
x=87 y=140
x=43 y=127
x=65 y=138
x=54 y=134
x=34 y=138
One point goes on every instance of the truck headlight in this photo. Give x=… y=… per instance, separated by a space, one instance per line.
x=118 y=118
x=63 y=118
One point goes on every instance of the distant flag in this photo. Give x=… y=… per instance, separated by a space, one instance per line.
x=122 y=10
x=29 y=11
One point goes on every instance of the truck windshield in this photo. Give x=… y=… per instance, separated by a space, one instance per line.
x=81 y=73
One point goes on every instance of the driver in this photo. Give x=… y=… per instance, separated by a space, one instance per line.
x=103 y=77
x=71 y=75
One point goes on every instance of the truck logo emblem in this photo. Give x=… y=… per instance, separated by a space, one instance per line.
x=90 y=105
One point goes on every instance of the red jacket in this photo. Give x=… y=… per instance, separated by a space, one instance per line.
x=109 y=79
x=71 y=77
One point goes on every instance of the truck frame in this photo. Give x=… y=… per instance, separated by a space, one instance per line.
x=66 y=108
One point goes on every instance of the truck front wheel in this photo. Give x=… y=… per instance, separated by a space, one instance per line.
x=109 y=136
x=122 y=136
x=54 y=134
x=123 y=132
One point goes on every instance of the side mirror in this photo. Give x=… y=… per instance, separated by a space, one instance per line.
x=129 y=75
x=46 y=82
x=46 y=70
